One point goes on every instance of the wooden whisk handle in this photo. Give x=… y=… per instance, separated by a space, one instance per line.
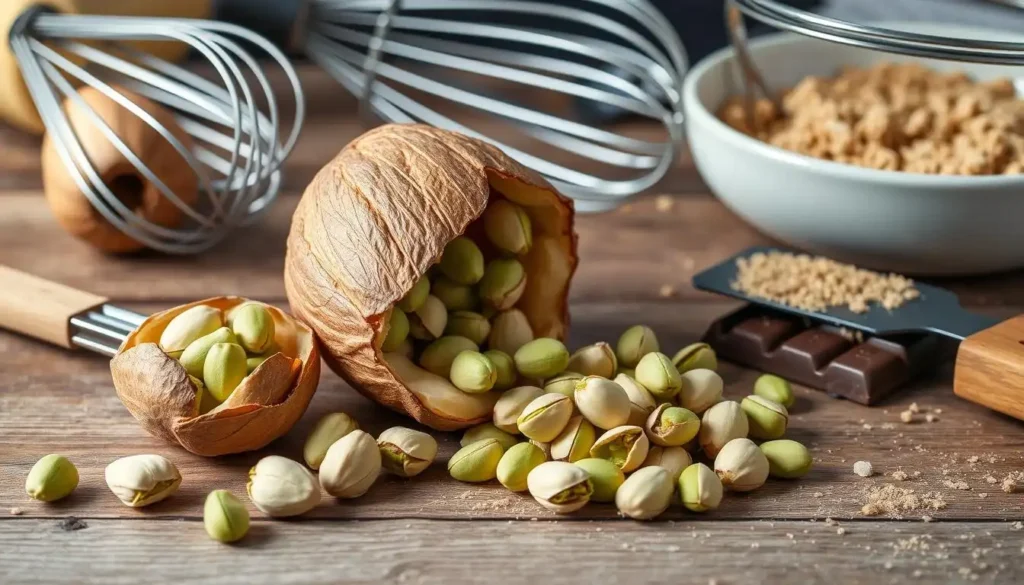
x=40 y=308
x=990 y=368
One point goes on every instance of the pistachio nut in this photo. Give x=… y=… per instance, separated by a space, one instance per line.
x=503 y=283
x=141 y=480
x=280 y=487
x=605 y=476
x=510 y=330
x=625 y=446
x=351 y=465
x=701 y=389
x=505 y=368
x=477 y=461
x=405 y=452
x=454 y=296
x=487 y=431
x=438 y=356
x=472 y=326
x=224 y=369
x=575 y=440
x=602 y=401
x=251 y=363
x=656 y=373
x=787 y=459
x=406 y=349
x=225 y=517
x=597 y=359
x=53 y=477
x=720 y=424
x=517 y=463
x=699 y=488
x=508 y=227
x=189 y=326
x=545 y=417
x=767 y=419
x=696 y=356
x=462 y=261
x=545 y=447
x=559 y=486
x=634 y=344
x=428 y=322
x=194 y=356
x=564 y=383
x=775 y=389
x=646 y=493
x=671 y=426
x=510 y=406
x=641 y=403
x=473 y=373
x=416 y=296
x=628 y=371
x=541 y=358
x=253 y=325
x=325 y=433
x=398 y=330
x=741 y=465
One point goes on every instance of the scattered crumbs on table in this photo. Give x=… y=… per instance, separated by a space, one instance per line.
x=991 y=479
x=663 y=203
x=16 y=512
x=817 y=494
x=957 y=484
x=983 y=495
x=1018 y=525
x=667 y=291
x=926 y=518
x=830 y=522
x=914 y=408
x=71 y=523
x=930 y=418
x=840 y=531
x=907 y=416
x=863 y=468
x=899 y=475
x=867 y=426
x=893 y=501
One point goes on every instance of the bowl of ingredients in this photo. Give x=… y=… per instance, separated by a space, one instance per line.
x=896 y=163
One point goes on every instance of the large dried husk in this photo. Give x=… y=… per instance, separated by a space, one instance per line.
x=377 y=217
x=157 y=391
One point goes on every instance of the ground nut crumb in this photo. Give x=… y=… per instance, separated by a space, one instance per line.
x=899 y=475
x=907 y=416
x=863 y=468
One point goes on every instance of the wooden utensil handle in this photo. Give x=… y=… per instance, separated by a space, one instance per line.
x=40 y=308
x=990 y=368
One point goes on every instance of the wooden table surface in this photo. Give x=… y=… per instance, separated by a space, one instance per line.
x=635 y=265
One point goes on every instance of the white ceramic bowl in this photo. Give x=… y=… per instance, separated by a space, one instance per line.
x=905 y=222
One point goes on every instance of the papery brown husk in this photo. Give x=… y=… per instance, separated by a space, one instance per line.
x=378 y=216
x=158 y=392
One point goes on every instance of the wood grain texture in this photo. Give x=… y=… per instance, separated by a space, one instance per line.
x=990 y=368
x=40 y=308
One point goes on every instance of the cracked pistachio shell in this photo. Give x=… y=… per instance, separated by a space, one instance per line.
x=510 y=330
x=545 y=447
x=141 y=480
x=656 y=373
x=437 y=358
x=473 y=373
x=517 y=463
x=641 y=403
x=505 y=368
x=487 y=431
x=406 y=452
x=787 y=459
x=701 y=390
x=775 y=389
x=696 y=356
x=280 y=487
x=325 y=433
x=351 y=465
x=741 y=465
x=634 y=344
x=646 y=493
x=473 y=326
x=508 y=227
x=575 y=440
x=416 y=296
x=455 y=296
x=559 y=486
x=700 y=489
x=720 y=424
x=462 y=261
x=510 y=406
x=225 y=517
x=398 y=330
x=188 y=326
x=428 y=322
x=224 y=369
x=503 y=284
x=671 y=426
x=449 y=408
x=602 y=402
x=545 y=417
x=767 y=419
x=564 y=383
x=253 y=326
x=625 y=446
x=673 y=459
x=541 y=358
x=605 y=476
x=51 y=478
x=477 y=461
x=194 y=356
x=594 y=360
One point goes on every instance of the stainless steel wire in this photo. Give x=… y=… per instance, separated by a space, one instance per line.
x=102 y=330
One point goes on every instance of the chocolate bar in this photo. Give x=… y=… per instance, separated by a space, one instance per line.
x=840 y=362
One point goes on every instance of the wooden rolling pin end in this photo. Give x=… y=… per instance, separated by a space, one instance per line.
x=990 y=368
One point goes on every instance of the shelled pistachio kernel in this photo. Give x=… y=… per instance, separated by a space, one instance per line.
x=559 y=486
x=517 y=463
x=545 y=417
x=510 y=330
x=462 y=261
x=508 y=227
x=605 y=476
x=775 y=389
x=454 y=296
x=503 y=283
x=477 y=461
x=194 y=356
x=437 y=358
x=486 y=431
x=641 y=403
x=646 y=493
x=741 y=465
x=701 y=390
x=351 y=465
x=473 y=373
x=52 y=478
x=253 y=325
x=141 y=480
x=575 y=440
x=671 y=426
x=189 y=326
x=428 y=322
x=787 y=459
x=634 y=344
x=327 y=430
x=656 y=373
x=280 y=487
x=253 y=362
x=541 y=358
x=416 y=296
x=225 y=517
x=505 y=368
x=766 y=419
x=673 y=459
x=597 y=359
x=472 y=326
x=406 y=452
x=625 y=446
x=510 y=406
x=602 y=401
x=224 y=369
x=720 y=424
x=699 y=488
x=398 y=330
x=696 y=356
x=564 y=384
